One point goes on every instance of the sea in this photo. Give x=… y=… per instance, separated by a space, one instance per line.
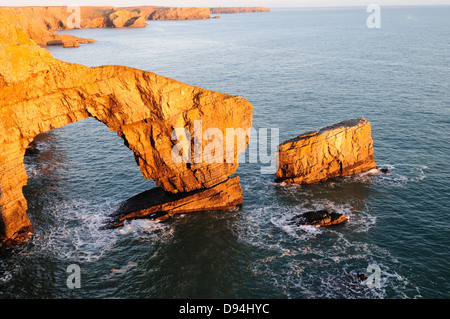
x=302 y=69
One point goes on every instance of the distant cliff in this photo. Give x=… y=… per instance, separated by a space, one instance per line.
x=40 y=22
x=226 y=10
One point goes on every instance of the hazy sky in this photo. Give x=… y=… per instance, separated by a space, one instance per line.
x=218 y=3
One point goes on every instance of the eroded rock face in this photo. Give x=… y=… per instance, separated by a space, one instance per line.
x=39 y=93
x=125 y=18
x=39 y=22
x=175 y=13
x=157 y=204
x=345 y=148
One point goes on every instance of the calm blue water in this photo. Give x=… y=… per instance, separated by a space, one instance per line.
x=301 y=69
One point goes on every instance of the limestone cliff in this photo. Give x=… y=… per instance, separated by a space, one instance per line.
x=342 y=149
x=39 y=22
x=39 y=93
x=227 y=10
x=173 y=13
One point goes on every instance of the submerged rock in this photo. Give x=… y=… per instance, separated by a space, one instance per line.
x=344 y=148
x=319 y=218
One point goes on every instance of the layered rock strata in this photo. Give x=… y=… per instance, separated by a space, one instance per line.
x=158 y=204
x=173 y=13
x=39 y=93
x=345 y=148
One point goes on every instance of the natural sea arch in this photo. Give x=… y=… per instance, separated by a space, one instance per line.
x=39 y=93
x=81 y=169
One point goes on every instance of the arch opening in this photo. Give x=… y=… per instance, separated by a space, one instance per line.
x=78 y=172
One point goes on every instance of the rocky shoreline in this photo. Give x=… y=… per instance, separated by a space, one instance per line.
x=39 y=23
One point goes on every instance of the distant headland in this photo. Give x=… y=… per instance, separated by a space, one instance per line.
x=39 y=23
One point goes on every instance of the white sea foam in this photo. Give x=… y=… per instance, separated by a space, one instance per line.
x=6 y=276
x=318 y=262
x=146 y=229
x=78 y=233
x=402 y=174
x=330 y=271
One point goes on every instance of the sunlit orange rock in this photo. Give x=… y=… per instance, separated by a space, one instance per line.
x=40 y=22
x=39 y=93
x=345 y=148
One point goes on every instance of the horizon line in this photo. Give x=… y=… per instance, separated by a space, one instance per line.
x=269 y=7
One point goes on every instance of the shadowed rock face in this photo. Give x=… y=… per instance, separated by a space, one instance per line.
x=157 y=204
x=344 y=148
x=39 y=93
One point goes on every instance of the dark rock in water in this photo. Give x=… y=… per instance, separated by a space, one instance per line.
x=319 y=218
x=31 y=149
x=353 y=278
x=384 y=170
x=352 y=285
x=158 y=204
x=361 y=277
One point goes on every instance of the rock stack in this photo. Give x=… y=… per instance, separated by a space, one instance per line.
x=344 y=148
